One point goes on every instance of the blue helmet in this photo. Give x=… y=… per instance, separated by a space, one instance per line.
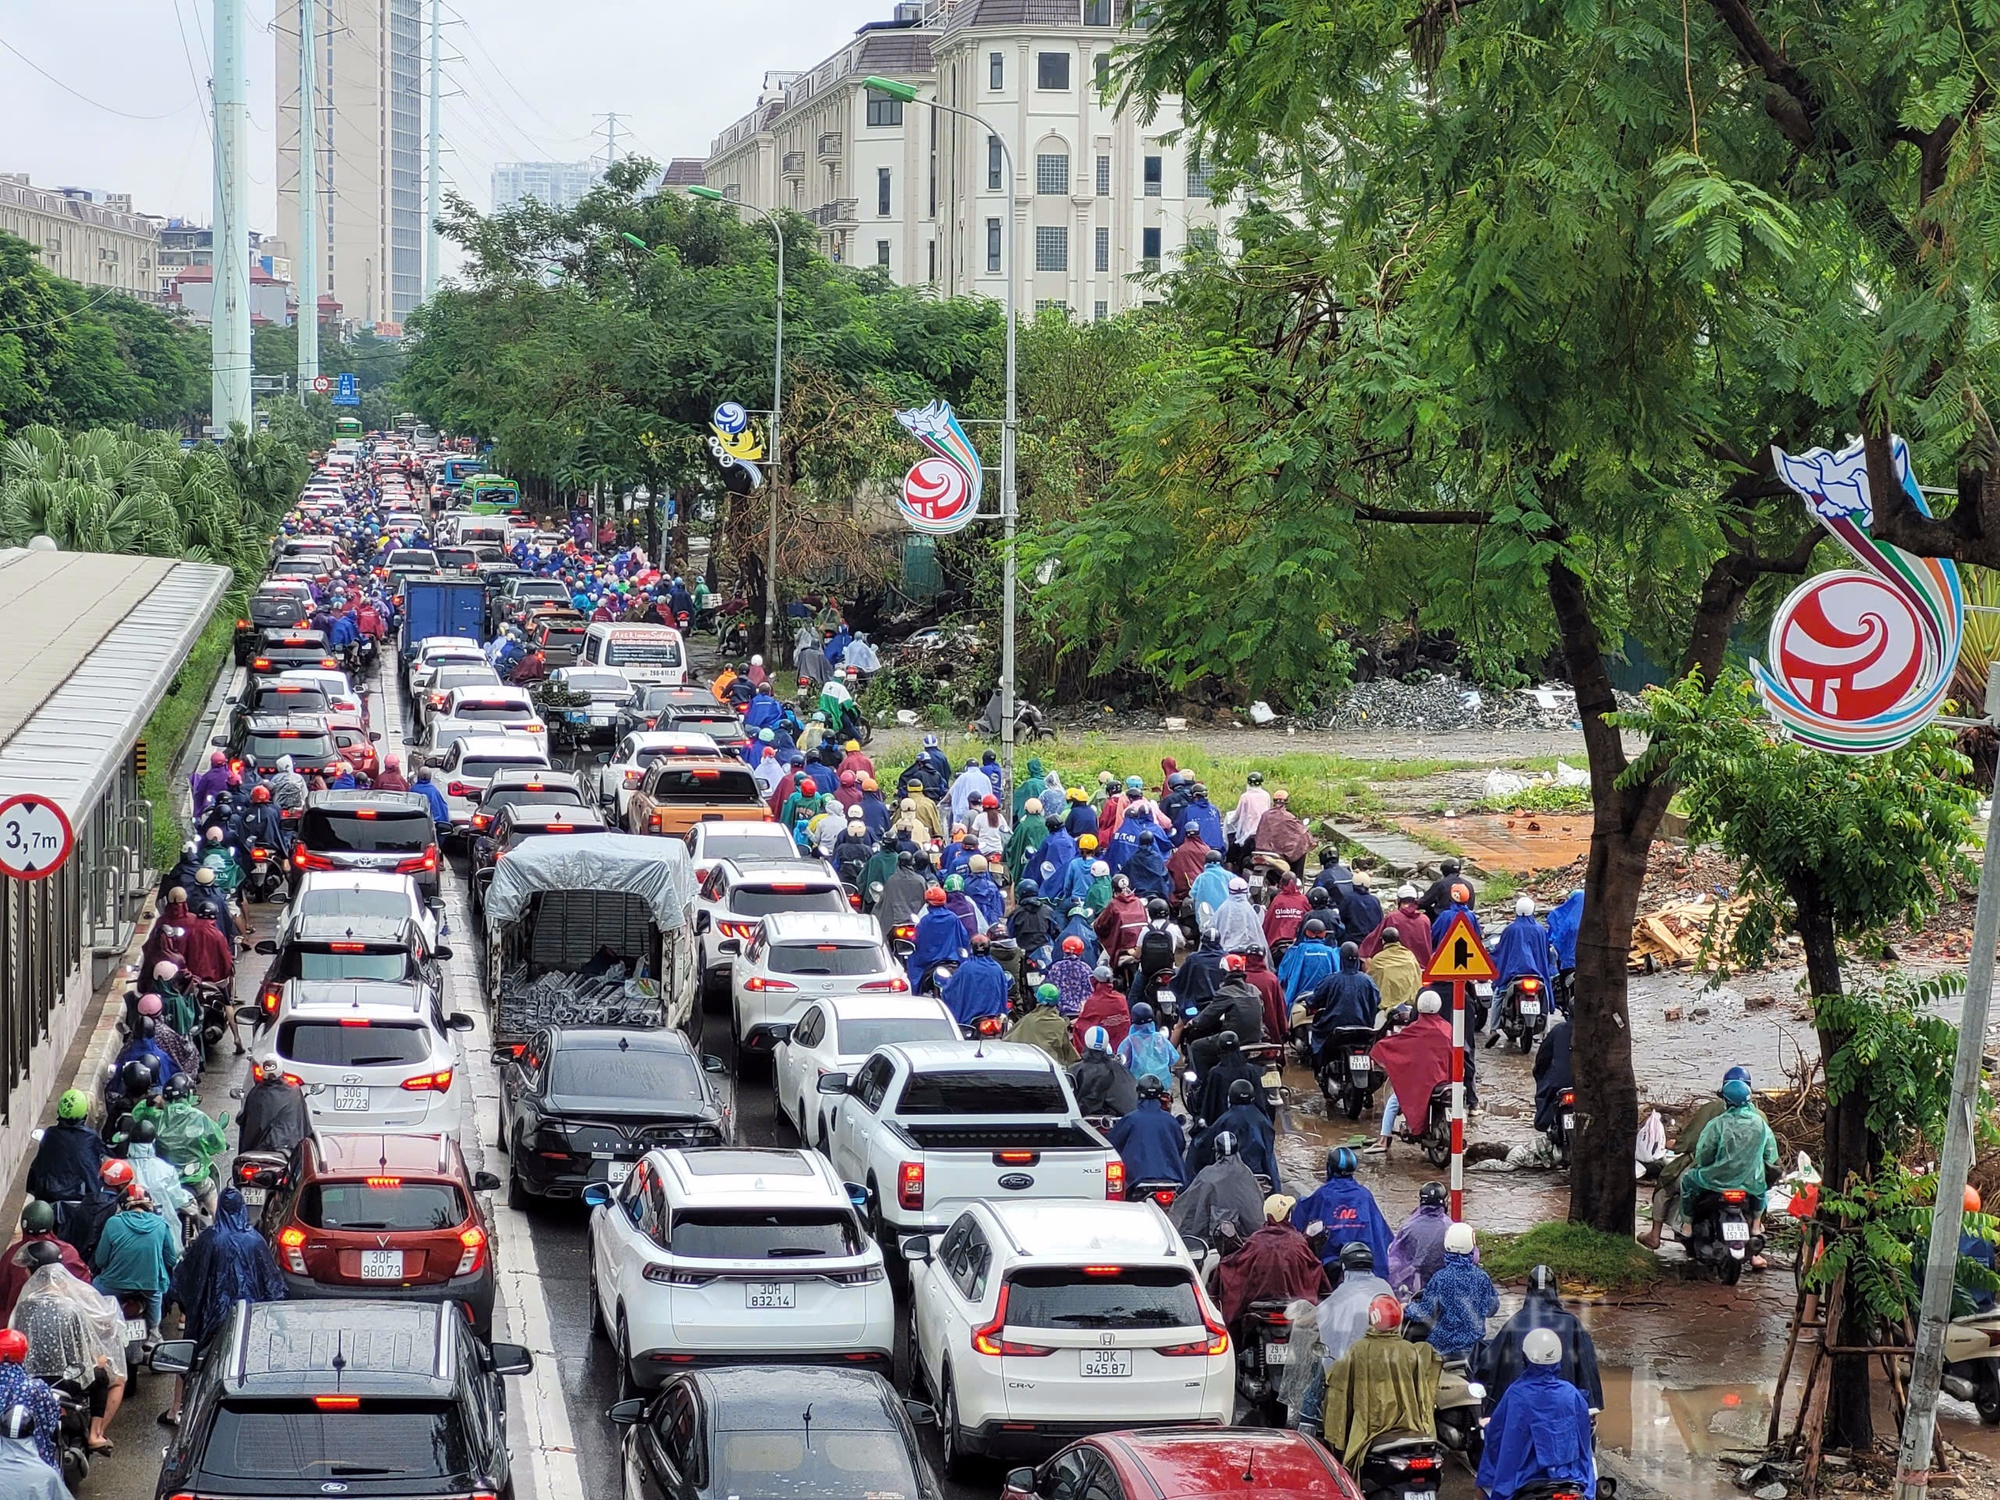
x=1340 y=1162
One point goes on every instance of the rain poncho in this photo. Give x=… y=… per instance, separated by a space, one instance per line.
x=1564 y=920
x=66 y=1163
x=1022 y=846
x=1147 y=1050
x=1255 y=1142
x=1304 y=965
x=1052 y=860
x=1417 y=1251
x=1281 y=832
x=983 y=891
x=1381 y=1385
x=1240 y=827
x=1343 y=1317
x=1417 y=1059
x=1208 y=822
x=1397 y=975
x=1030 y=787
x=1045 y=1027
x=1106 y=1007
x=1503 y=1362
x=1411 y=926
x=1118 y=926
x=15 y=1270
x=1734 y=1149
x=978 y=988
x=69 y=1325
x=162 y=1182
x=964 y=794
x=940 y=939
x=1522 y=949
x=1275 y=1263
x=1347 y=1001
x=136 y=1252
x=1458 y=1301
x=1146 y=867
x=1209 y=891
x=25 y=1474
x=1150 y=1143
x=1237 y=929
x=229 y=1262
x=902 y=899
x=1540 y=1430
x=1226 y=1192
x=274 y=1118
x=1350 y=1214
x=1553 y=1074
x=1360 y=913
x=1071 y=977
x=1103 y=1086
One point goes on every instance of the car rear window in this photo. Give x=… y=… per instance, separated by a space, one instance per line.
x=707 y=784
x=332 y=901
x=563 y=634
x=554 y=796
x=318 y=963
x=782 y=1234
x=858 y=1037
x=630 y=1077
x=292 y=698
x=267 y=614
x=715 y=726
x=384 y=1203
x=310 y=743
x=832 y=959
x=716 y=844
x=492 y=713
x=412 y=557
x=367 y=830
x=598 y=682
x=458 y=674
x=785 y=895
x=540 y=591
x=643 y=651
x=378 y=1440
x=814 y=1464
x=357 y=1044
x=483 y=767
x=1102 y=1297
x=455 y=557
x=978 y=1091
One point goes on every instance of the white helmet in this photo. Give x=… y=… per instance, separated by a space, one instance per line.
x=1460 y=1240
x=1429 y=1003
x=1541 y=1346
x=1524 y=906
x=1406 y=893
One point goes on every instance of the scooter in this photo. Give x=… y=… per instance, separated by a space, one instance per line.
x=1458 y=1401
x=1972 y=1363
x=1409 y=1468
x=267 y=875
x=1434 y=1139
x=1262 y=1333
x=1159 y=1190
x=1720 y=1237
x=73 y=1440
x=1523 y=1012
x=1271 y=1057
x=1563 y=1126
x=1347 y=1072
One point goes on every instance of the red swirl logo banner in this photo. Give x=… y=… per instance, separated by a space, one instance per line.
x=936 y=496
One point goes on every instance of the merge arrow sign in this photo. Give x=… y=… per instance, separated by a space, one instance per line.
x=1459 y=955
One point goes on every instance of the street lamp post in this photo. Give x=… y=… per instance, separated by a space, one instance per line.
x=1008 y=509
x=777 y=406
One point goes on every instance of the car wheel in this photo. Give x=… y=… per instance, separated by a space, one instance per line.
x=597 y=1328
x=957 y=1462
x=915 y=1356
x=628 y=1388
x=517 y=1190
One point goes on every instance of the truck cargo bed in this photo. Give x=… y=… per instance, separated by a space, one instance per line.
x=1026 y=1136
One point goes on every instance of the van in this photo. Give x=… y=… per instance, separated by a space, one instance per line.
x=648 y=654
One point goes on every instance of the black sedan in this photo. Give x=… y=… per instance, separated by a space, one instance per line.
x=582 y=1104
x=806 y=1434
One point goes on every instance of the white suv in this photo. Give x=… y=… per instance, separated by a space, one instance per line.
x=436 y=651
x=798 y=956
x=381 y=1055
x=469 y=766
x=361 y=893
x=619 y=776
x=735 y=896
x=730 y=1255
x=1038 y=1322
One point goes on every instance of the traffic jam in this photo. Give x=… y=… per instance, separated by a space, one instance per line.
x=524 y=1102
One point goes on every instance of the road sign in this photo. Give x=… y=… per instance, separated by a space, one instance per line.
x=349 y=393
x=1459 y=956
x=322 y=384
x=35 y=837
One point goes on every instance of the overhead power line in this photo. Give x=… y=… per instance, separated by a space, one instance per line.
x=93 y=103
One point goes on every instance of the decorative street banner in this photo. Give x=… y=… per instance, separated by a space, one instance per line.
x=940 y=494
x=735 y=443
x=1860 y=659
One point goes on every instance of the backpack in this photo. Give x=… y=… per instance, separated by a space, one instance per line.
x=1156 y=950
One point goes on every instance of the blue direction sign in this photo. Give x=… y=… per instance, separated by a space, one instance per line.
x=347 y=393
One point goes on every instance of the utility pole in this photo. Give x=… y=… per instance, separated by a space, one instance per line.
x=308 y=258
x=1913 y=1459
x=431 y=206
x=229 y=383
x=610 y=140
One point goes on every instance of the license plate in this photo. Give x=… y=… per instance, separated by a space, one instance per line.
x=1273 y=1079
x=1569 y=1121
x=616 y=1172
x=1735 y=1231
x=253 y=1197
x=381 y=1265
x=1531 y=1007
x=1360 y=1066
x=1106 y=1362
x=356 y=1098
x=135 y=1329
x=1277 y=1354
x=761 y=1295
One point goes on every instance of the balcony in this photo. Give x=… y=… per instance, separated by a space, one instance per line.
x=840 y=211
x=830 y=143
x=795 y=164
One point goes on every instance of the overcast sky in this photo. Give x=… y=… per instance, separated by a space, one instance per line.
x=535 y=77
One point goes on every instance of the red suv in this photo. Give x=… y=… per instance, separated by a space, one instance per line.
x=388 y=1216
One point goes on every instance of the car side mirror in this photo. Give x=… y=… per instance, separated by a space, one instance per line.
x=175 y=1357
x=857 y=1195
x=485 y=1182
x=443 y=955
x=730 y=947
x=596 y=1195
x=1196 y=1247
x=267 y=947
x=374 y=734
x=604 y=757
x=512 y=1359
x=833 y=1083
x=780 y=1032
x=701 y=921
x=627 y=1413
x=712 y=1064
x=921 y=1412
x=917 y=1249
x=219 y=741
x=1018 y=1482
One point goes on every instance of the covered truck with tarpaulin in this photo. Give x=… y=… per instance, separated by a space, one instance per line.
x=594 y=930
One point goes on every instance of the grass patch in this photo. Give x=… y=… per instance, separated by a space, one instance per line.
x=1437 y=843
x=1540 y=799
x=1579 y=1255
x=167 y=732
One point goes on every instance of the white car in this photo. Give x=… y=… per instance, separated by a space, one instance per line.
x=711 y=843
x=727 y=1255
x=371 y=1055
x=803 y=955
x=436 y=650
x=469 y=765
x=340 y=693
x=484 y=709
x=360 y=893
x=835 y=1035
x=448 y=678
x=1038 y=1322
x=731 y=903
x=619 y=777
x=607 y=690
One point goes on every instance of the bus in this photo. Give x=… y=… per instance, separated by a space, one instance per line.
x=347 y=427
x=452 y=472
x=488 y=495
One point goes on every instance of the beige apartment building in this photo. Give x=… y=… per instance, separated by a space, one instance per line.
x=97 y=244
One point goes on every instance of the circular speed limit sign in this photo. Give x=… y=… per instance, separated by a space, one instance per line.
x=322 y=384
x=35 y=837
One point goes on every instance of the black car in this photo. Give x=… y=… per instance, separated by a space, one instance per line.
x=651 y=699
x=268 y=696
x=581 y=1104
x=286 y=650
x=514 y=784
x=774 y=1430
x=260 y=741
x=341 y=1397
x=272 y=612
x=345 y=949
x=391 y=833
x=524 y=820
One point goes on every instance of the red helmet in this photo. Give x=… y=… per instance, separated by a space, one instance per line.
x=934 y=896
x=989 y=800
x=1233 y=963
x=809 y=787
x=13 y=1346
x=260 y=794
x=1072 y=944
x=116 y=1172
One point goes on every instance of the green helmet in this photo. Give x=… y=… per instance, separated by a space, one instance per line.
x=74 y=1105
x=39 y=1217
x=954 y=882
x=1047 y=994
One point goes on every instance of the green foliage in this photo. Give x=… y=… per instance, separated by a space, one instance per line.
x=1541 y=799
x=1578 y=1254
x=1877 y=1237
x=1896 y=1054
x=166 y=733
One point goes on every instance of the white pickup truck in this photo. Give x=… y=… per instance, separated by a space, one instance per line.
x=930 y=1126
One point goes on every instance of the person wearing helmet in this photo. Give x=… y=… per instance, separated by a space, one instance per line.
x=207 y=784
x=1540 y=1437
x=956 y=857
x=227 y=1263
x=1033 y=923
x=902 y=897
x=1416 y=1251
x=1274 y=1264
x=1437 y=895
x=136 y=1253
x=145 y=1047
x=1975 y=1247
x=64 y=1173
x=960 y=905
x=1307 y=962
x=1071 y=975
x=1345 y=1000
x=1282 y=833
x=1347 y=1209
x=1417 y=1060
x=1343 y=1317
x=1459 y=905
x=1235 y=1007
x=159 y=1177
x=38 y=1227
x=1285 y=913
x=1411 y=926
x=1144 y=860
x=31 y=1424
x=1148 y=1138
x=1395 y=970
x=940 y=939
x=1157 y=947
x=275 y=1117
x=1223 y=1203
x=979 y=987
x=1522 y=951
x=1243 y=1119
x=1384 y=1383
x=1237 y=926
x=1505 y=1360
x=1104 y=1006
x=989 y=825
x=1051 y=862
x=1736 y=1149
x=1185 y=864
x=1081 y=875
x=966 y=792
x=1104 y=1086
x=1360 y=911
x=1118 y=925
x=851 y=853
x=1081 y=819
x=1239 y=829
x=75 y=1333
x=1147 y=1050
x=1459 y=1299
x=1043 y=1026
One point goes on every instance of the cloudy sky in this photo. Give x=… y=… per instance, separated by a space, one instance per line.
x=533 y=80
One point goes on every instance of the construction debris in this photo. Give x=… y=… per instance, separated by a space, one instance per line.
x=1681 y=931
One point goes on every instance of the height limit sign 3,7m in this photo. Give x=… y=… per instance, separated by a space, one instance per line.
x=35 y=837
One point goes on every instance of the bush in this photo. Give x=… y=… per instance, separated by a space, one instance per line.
x=1579 y=1255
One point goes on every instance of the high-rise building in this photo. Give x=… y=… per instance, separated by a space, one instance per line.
x=371 y=142
x=559 y=184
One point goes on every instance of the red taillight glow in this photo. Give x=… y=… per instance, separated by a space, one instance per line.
x=1531 y=986
x=1114 y=1180
x=337 y=1403
x=875 y=986
x=1734 y=1195
x=428 y=860
x=758 y=984
x=910 y=1184
x=458 y=789
x=987 y=1339
x=1103 y=1270
x=1216 y=1343
x=1017 y=1158
x=474 y=1241
x=305 y=859
x=744 y=930
x=292 y=1241
x=385 y=1182
x=431 y=1083
x=348 y=947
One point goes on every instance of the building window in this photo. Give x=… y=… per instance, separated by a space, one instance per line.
x=932 y=277
x=1153 y=175
x=1103 y=249
x=1150 y=250
x=1102 y=65
x=1202 y=237
x=1101 y=311
x=1051 y=248
x=884 y=109
x=882 y=191
x=1052 y=70
x=1104 y=177
x=882 y=253
x=996 y=72
x=993 y=164
x=1200 y=175
x=1143 y=15
x=1097 y=12
x=1045 y=304
x=1052 y=175
x=992 y=244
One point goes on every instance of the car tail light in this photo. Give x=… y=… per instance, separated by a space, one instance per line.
x=430 y=1083
x=428 y=860
x=1216 y=1343
x=474 y=1241
x=653 y=822
x=385 y=1182
x=269 y=1000
x=987 y=1339
x=633 y=778
x=744 y=930
x=1734 y=1195
x=458 y=789
x=910 y=1184
x=1016 y=1158
x=667 y=1276
x=337 y=1403
x=1114 y=1181
x=864 y=1277
x=895 y=986
x=293 y=1242
x=481 y=820
x=759 y=984
x=305 y=859
x=348 y=947
x=242 y=624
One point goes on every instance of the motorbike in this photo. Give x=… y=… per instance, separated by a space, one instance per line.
x=1972 y=1363
x=73 y=1439
x=934 y=978
x=985 y=1029
x=1346 y=1071
x=1458 y=1402
x=1434 y=1139
x=140 y=1337
x=214 y=1001
x=1160 y=1190
x=267 y=875
x=1271 y=1057
x=1523 y=1011
x=1563 y=1126
x=1262 y=1334
x=256 y=1173
x=1720 y=1235
x=1401 y=1469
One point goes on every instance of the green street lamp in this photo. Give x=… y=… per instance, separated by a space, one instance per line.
x=633 y=239
x=1009 y=509
x=710 y=195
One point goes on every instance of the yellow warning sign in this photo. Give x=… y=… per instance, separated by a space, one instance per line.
x=1459 y=955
